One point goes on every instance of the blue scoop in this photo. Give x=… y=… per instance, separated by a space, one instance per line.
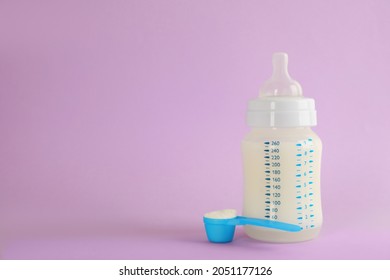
x=221 y=230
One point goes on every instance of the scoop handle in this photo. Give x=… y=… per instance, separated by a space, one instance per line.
x=267 y=223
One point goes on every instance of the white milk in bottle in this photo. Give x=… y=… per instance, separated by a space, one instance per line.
x=282 y=158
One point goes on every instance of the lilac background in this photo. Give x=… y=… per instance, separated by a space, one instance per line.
x=121 y=123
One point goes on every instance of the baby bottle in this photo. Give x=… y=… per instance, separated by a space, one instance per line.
x=282 y=158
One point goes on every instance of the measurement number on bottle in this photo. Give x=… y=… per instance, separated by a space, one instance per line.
x=273 y=179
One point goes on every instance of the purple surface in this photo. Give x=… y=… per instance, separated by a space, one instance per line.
x=121 y=123
x=189 y=242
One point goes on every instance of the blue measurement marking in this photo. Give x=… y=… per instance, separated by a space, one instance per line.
x=266 y=143
x=311 y=204
x=268 y=194
x=266 y=150
x=267 y=216
x=266 y=163
x=267 y=171
x=266 y=157
x=303 y=174
x=268 y=186
x=267 y=202
x=267 y=209
x=268 y=179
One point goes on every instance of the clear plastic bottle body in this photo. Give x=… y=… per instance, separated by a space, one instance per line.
x=282 y=181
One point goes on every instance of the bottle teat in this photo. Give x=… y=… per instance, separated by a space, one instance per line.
x=280 y=84
x=280 y=103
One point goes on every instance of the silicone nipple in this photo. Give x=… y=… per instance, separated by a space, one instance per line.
x=280 y=84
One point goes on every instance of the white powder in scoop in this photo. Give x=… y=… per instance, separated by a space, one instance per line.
x=222 y=214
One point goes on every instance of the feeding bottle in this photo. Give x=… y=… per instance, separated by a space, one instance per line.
x=282 y=158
